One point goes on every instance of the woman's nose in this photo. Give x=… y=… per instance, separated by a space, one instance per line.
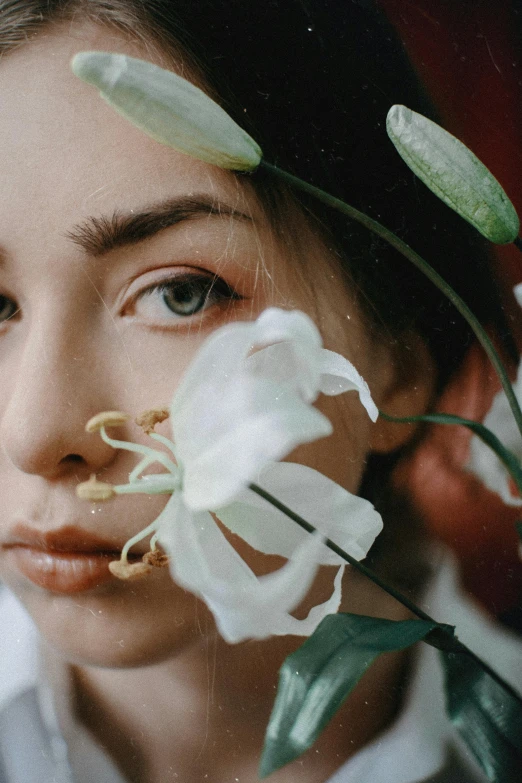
x=53 y=389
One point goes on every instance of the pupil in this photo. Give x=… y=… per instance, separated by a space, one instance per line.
x=186 y=298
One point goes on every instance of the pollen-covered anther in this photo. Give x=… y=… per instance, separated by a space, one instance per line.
x=129 y=571
x=156 y=559
x=106 y=419
x=148 y=419
x=95 y=490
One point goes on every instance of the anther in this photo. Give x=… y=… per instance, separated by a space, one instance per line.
x=129 y=571
x=106 y=419
x=148 y=419
x=156 y=559
x=95 y=490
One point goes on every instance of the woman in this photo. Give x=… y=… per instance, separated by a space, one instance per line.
x=105 y=299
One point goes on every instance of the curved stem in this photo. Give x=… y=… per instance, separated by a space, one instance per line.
x=446 y=642
x=508 y=459
x=375 y=578
x=421 y=264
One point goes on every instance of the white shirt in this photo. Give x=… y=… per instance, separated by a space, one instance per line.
x=416 y=747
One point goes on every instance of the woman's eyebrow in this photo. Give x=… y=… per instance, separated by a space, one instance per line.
x=99 y=235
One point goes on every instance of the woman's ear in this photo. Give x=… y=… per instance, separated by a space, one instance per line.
x=409 y=379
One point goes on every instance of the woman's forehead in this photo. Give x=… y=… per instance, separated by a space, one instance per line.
x=68 y=152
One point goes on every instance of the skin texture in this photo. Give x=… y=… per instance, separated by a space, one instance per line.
x=81 y=342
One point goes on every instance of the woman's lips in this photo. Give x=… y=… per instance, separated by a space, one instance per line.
x=68 y=560
x=63 y=572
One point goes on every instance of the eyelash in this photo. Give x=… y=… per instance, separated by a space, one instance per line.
x=198 y=292
x=207 y=292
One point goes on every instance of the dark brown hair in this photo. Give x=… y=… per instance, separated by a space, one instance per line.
x=312 y=81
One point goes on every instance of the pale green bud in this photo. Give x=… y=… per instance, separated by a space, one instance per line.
x=453 y=173
x=169 y=109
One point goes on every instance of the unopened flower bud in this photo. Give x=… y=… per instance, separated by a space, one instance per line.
x=129 y=571
x=106 y=419
x=156 y=559
x=95 y=490
x=148 y=419
x=169 y=109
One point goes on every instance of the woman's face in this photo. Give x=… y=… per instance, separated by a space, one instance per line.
x=109 y=243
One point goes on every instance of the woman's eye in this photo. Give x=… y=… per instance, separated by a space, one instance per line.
x=8 y=308
x=182 y=297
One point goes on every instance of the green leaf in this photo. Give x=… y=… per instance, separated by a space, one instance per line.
x=453 y=173
x=316 y=679
x=487 y=715
x=169 y=108
x=519 y=530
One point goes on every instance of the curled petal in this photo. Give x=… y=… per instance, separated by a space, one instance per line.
x=221 y=355
x=309 y=370
x=244 y=606
x=483 y=462
x=338 y=375
x=350 y=521
x=275 y=325
x=256 y=423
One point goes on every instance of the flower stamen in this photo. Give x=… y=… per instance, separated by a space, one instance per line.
x=149 y=418
x=95 y=490
x=106 y=419
x=129 y=571
x=156 y=559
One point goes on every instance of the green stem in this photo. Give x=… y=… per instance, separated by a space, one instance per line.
x=421 y=264
x=345 y=556
x=441 y=637
x=508 y=459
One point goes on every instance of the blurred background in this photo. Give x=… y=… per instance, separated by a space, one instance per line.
x=467 y=54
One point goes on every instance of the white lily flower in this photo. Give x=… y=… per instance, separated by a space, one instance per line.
x=260 y=402
x=249 y=607
x=244 y=402
x=483 y=462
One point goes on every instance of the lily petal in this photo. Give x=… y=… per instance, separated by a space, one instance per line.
x=338 y=375
x=482 y=461
x=350 y=521
x=244 y=606
x=221 y=355
x=253 y=422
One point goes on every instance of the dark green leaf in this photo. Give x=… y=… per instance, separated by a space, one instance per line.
x=316 y=679
x=519 y=529
x=487 y=715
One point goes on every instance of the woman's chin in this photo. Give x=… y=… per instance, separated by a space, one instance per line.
x=123 y=625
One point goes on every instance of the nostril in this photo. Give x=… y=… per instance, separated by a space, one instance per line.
x=72 y=458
